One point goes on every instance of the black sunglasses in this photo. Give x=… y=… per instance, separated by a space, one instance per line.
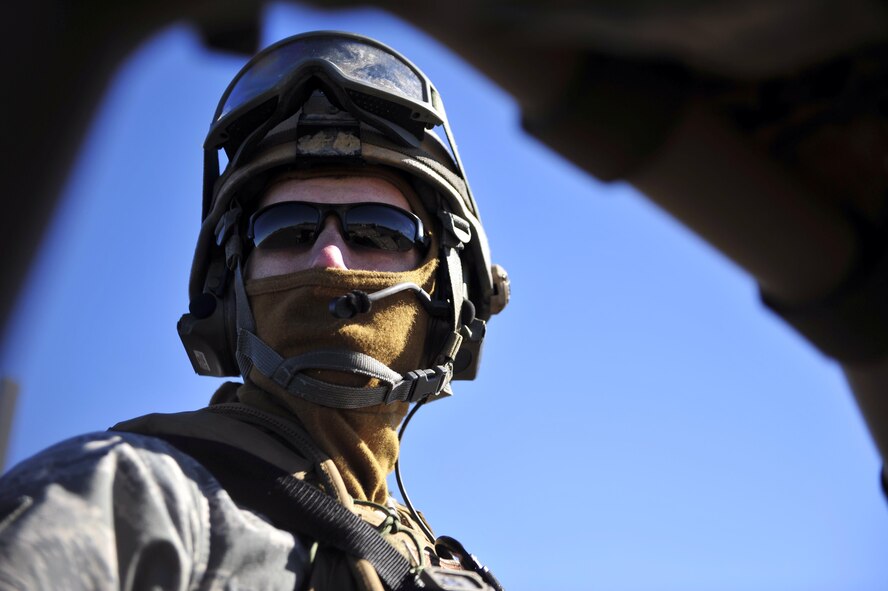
x=372 y=225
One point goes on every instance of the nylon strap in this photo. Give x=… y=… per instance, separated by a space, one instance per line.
x=457 y=234
x=416 y=385
x=298 y=507
x=270 y=363
x=454 y=269
x=243 y=319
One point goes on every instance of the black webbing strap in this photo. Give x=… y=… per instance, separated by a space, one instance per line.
x=272 y=365
x=297 y=507
x=457 y=234
x=253 y=352
x=454 y=270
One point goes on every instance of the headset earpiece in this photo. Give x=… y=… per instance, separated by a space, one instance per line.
x=207 y=333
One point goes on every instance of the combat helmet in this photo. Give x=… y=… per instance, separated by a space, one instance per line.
x=342 y=99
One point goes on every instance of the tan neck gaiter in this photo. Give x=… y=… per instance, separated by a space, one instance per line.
x=292 y=316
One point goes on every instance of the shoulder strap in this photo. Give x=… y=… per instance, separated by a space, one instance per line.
x=290 y=503
x=296 y=506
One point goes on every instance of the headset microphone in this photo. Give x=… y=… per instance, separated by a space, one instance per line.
x=358 y=302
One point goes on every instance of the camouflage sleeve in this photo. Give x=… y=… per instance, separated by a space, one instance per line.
x=126 y=511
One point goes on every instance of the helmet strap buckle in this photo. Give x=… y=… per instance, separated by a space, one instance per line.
x=457 y=231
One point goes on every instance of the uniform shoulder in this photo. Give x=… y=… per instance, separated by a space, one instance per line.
x=104 y=508
x=274 y=439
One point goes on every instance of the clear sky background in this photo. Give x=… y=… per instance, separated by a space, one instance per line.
x=640 y=421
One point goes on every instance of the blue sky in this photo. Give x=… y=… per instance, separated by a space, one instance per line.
x=640 y=421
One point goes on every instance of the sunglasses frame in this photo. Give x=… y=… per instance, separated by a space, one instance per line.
x=340 y=210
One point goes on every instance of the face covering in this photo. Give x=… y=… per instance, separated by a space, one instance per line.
x=292 y=316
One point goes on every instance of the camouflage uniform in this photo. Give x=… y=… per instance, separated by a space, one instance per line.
x=126 y=510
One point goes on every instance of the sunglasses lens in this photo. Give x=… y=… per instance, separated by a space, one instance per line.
x=285 y=225
x=382 y=227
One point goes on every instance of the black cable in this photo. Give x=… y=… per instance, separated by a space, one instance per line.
x=401 y=488
x=466 y=559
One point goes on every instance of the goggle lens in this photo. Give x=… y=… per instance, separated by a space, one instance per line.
x=360 y=61
x=379 y=226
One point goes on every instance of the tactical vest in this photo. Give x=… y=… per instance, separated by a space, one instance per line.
x=271 y=466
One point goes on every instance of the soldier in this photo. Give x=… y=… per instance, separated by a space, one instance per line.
x=342 y=270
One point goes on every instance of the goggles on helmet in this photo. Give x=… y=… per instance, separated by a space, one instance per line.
x=366 y=78
x=379 y=226
x=372 y=77
x=360 y=75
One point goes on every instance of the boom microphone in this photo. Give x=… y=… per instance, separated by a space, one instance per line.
x=359 y=302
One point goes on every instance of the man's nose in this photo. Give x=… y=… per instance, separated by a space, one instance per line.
x=330 y=250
